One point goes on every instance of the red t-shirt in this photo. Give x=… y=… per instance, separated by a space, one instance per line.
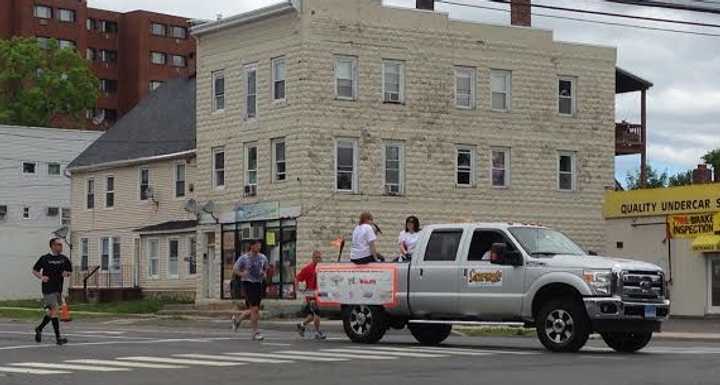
x=308 y=275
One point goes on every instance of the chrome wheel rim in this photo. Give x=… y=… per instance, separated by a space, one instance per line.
x=559 y=326
x=360 y=320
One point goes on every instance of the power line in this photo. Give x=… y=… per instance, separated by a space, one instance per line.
x=665 y=5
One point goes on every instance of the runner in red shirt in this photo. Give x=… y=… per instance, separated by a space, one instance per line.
x=311 y=311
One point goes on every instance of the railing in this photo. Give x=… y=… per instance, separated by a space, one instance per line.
x=96 y=277
x=628 y=134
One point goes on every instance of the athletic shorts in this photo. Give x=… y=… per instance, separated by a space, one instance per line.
x=364 y=261
x=311 y=309
x=51 y=301
x=253 y=293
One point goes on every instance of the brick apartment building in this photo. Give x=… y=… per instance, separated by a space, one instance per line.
x=131 y=53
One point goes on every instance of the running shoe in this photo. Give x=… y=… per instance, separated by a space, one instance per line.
x=235 y=324
x=319 y=335
x=301 y=329
x=38 y=335
x=62 y=341
x=258 y=337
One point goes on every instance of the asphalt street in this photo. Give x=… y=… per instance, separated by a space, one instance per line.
x=112 y=352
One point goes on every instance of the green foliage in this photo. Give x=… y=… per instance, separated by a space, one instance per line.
x=713 y=158
x=37 y=84
x=680 y=179
x=653 y=179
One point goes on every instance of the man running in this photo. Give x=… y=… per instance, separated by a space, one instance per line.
x=311 y=310
x=52 y=269
x=252 y=269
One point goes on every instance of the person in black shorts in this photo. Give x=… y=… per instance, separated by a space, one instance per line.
x=252 y=269
x=52 y=269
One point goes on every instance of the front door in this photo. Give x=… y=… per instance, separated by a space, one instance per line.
x=136 y=262
x=714 y=284
x=489 y=291
x=208 y=263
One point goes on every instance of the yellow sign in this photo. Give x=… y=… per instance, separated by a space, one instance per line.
x=662 y=201
x=692 y=225
x=270 y=238
x=707 y=243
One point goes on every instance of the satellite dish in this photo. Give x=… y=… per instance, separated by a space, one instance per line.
x=191 y=206
x=209 y=207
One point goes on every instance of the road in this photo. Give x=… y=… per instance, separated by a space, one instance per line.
x=111 y=352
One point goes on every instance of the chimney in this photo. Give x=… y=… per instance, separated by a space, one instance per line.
x=425 y=4
x=702 y=175
x=520 y=13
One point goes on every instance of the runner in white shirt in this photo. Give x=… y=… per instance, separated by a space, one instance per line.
x=363 y=241
x=409 y=237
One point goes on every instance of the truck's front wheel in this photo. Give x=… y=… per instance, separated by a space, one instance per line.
x=627 y=342
x=562 y=325
x=430 y=334
x=364 y=323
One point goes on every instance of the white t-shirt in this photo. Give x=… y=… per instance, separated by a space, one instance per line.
x=361 y=238
x=410 y=240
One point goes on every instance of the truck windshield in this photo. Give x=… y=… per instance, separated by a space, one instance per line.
x=541 y=242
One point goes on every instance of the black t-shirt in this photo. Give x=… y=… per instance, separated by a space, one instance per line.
x=53 y=266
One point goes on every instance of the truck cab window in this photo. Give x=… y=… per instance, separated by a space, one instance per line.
x=483 y=240
x=443 y=245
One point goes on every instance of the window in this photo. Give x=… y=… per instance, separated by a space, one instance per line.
x=192 y=259
x=501 y=87
x=482 y=242
x=26 y=213
x=54 y=169
x=394 y=168
x=346 y=77
x=66 y=44
x=53 y=211
x=90 y=24
x=173 y=258
x=104 y=254
x=278 y=79
x=66 y=15
x=394 y=81
x=108 y=26
x=158 y=29
x=158 y=58
x=443 y=245
x=251 y=162
x=250 y=91
x=278 y=159
x=500 y=167
x=109 y=192
x=84 y=249
x=465 y=87
x=108 y=86
x=179 y=180
x=154 y=84
x=116 y=260
x=43 y=42
x=566 y=171
x=90 y=191
x=42 y=12
x=218 y=85
x=179 y=32
x=29 y=168
x=153 y=258
x=108 y=56
x=566 y=96
x=346 y=165
x=65 y=215
x=145 y=189
x=91 y=54
x=178 y=60
x=465 y=166
x=219 y=167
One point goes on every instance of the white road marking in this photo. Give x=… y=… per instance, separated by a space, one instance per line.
x=255 y=360
x=276 y=344
x=31 y=371
x=338 y=355
x=362 y=352
x=111 y=332
x=179 y=361
x=490 y=351
x=89 y=368
x=425 y=350
x=82 y=334
x=126 y=364
x=124 y=342
x=289 y=357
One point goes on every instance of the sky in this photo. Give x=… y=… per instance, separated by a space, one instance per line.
x=683 y=105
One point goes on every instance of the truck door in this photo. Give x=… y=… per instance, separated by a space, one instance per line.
x=489 y=291
x=434 y=274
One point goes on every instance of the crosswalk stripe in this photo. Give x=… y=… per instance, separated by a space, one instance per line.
x=42 y=365
x=179 y=361
x=490 y=351
x=338 y=355
x=140 y=365
x=289 y=357
x=31 y=371
x=361 y=352
x=256 y=360
x=425 y=350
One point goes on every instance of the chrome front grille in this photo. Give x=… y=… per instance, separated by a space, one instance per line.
x=642 y=285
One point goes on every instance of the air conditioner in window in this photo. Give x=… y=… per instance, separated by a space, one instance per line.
x=250 y=190
x=3 y=211
x=392 y=97
x=392 y=190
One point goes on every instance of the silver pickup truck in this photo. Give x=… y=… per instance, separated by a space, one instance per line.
x=535 y=275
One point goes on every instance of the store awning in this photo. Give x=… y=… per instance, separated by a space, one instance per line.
x=707 y=243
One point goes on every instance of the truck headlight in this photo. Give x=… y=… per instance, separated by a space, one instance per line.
x=599 y=281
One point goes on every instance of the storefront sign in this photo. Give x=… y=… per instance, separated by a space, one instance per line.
x=693 y=225
x=357 y=285
x=257 y=211
x=707 y=243
x=695 y=199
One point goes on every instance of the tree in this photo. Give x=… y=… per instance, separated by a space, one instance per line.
x=652 y=179
x=713 y=158
x=38 y=84
x=681 y=179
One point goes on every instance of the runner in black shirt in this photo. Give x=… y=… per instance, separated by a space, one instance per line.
x=52 y=269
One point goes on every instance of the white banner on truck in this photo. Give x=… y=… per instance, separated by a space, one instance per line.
x=356 y=285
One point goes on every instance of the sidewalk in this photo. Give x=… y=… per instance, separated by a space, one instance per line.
x=691 y=329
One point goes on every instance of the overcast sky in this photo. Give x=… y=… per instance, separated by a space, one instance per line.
x=683 y=105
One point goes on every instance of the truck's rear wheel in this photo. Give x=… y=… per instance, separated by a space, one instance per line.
x=364 y=323
x=562 y=325
x=430 y=334
x=627 y=342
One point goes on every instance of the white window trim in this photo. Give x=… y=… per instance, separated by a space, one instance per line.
x=38 y=6
x=246 y=163
x=573 y=96
x=84 y=242
x=106 y=191
x=149 y=259
x=100 y=252
x=87 y=182
x=111 y=267
x=507 y=75
x=401 y=181
x=473 y=166
x=174 y=180
x=354 y=71
x=273 y=142
x=170 y=275
x=251 y=68
x=152 y=58
x=213 y=177
x=22 y=213
x=274 y=99
x=507 y=168
x=139 y=184
x=214 y=76
x=355 y=177
x=401 y=97
x=473 y=87
x=53 y=164
x=573 y=157
x=22 y=168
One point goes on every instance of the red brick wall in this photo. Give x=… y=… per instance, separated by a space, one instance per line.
x=520 y=13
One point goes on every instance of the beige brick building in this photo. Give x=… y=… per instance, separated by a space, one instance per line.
x=324 y=108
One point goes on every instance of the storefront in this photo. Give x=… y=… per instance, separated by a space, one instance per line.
x=678 y=229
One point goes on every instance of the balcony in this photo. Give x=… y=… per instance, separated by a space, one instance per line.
x=631 y=138
x=628 y=138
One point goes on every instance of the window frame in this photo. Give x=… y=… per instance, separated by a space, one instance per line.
x=573 y=95
x=472 y=71
x=573 y=172
x=155 y=84
x=174 y=28
x=215 y=76
x=401 y=167
x=65 y=44
x=84 y=254
x=250 y=68
x=35 y=168
x=65 y=220
x=473 y=172
x=151 y=257
x=72 y=12
x=59 y=169
x=276 y=162
x=154 y=24
x=452 y=230
x=176 y=180
x=401 y=80
x=355 y=174
x=353 y=61
x=109 y=192
x=507 y=151
x=507 y=77
x=278 y=60
x=90 y=203
x=49 y=9
x=163 y=55
x=247 y=147
x=215 y=170
x=174 y=64
x=101 y=245
x=176 y=274
x=140 y=184
x=26 y=213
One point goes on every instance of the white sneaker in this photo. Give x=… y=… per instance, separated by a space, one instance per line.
x=235 y=324
x=319 y=335
x=258 y=337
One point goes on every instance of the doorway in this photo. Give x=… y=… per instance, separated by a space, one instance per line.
x=713 y=283
x=208 y=262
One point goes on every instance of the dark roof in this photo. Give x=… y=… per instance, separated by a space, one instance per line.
x=627 y=82
x=162 y=123
x=168 y=226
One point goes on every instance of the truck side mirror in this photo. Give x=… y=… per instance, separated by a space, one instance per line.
x=499 y=255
